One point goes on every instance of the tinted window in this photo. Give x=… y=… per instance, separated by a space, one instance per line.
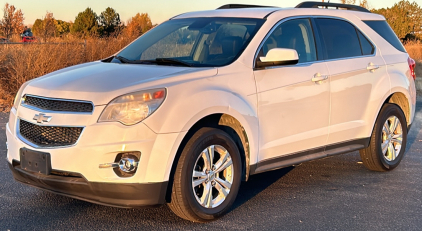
x=294 y=34
x=340 y=38
x=383 y=29
x=367 y=48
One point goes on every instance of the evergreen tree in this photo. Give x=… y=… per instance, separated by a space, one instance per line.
x=109 y=21
x=62 y=27
x=86 y=23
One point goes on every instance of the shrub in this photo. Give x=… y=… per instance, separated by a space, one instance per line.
x=22 y=62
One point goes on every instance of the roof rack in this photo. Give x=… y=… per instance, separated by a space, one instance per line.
x=239 y=6
x=335 y=5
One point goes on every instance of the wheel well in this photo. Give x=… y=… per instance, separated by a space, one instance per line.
x=400 y=100
x=226 y=123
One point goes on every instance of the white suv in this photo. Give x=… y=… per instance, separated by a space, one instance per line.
x=198 y=104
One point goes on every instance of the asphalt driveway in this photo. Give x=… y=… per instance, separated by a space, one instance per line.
x=336 y=193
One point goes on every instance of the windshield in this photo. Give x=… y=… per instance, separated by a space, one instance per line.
x=196 y=42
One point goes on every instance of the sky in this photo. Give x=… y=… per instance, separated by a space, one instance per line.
x=158 y=10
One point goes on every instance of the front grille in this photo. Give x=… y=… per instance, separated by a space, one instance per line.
x=58 y=105
x=49 y=136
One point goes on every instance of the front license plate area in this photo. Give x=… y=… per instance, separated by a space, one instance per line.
x=35 y=161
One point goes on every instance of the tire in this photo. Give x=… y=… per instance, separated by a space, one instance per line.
x=377 y=158
x=190 y=202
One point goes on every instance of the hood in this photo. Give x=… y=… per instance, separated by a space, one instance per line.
x=101 y=82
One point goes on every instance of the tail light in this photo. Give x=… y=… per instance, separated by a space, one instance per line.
x=412 y=65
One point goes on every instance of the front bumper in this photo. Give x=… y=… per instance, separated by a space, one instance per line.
x=124 y=195
x=100 y=143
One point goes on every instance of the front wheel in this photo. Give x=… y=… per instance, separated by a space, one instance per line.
x=207 y=176
x=388 y=140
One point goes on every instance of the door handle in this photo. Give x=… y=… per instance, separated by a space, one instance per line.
x=372 y=67
x=318 y=78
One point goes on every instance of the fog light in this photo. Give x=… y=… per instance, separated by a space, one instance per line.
x=127 y=164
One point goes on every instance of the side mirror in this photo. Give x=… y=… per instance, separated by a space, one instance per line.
x=277 y=57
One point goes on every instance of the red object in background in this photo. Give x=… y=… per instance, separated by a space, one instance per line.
x=412 y=65
x=28 y=39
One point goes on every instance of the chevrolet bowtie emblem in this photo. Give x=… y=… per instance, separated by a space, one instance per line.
x=40 y=118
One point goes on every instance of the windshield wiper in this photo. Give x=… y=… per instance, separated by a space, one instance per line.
x=156 y=61
x=125 y=60
x=121 y=59
x=172 y=61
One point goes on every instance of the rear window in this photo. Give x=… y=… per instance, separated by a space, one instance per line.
x=367 y=48
x=340 y=38
x=383 y=29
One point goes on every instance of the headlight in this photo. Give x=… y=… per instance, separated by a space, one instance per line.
x=132 y=108
x=18 y=96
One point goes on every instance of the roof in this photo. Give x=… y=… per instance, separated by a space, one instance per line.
x=261 y=12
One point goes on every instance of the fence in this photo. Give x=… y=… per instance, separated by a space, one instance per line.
x=39 y=43
x=11 y=44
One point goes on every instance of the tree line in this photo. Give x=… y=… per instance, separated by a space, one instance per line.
x=404 y=17
x=86 y=24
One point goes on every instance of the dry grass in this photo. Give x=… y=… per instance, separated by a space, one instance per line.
x=414 y=48
x=22 y=62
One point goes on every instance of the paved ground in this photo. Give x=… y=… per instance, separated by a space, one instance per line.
x=336 y=193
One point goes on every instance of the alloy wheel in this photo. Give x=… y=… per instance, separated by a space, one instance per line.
x=391 y=138
x=212 y=176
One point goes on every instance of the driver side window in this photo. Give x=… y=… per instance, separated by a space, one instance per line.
x=294 y=34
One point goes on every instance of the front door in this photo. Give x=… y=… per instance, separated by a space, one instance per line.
x=293 y=106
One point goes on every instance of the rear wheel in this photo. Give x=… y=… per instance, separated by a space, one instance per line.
x=388 y=140
x=207 y=176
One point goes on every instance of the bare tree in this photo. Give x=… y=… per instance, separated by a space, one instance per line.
x=364 y=4
x=12 y=21
x=351 y=2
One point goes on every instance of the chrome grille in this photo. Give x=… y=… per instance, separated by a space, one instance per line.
x=58 y=104
x=49 y=136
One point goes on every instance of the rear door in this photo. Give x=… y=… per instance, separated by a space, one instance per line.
x=358 y=79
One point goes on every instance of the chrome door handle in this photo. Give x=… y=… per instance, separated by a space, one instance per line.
x=318 y=78
x=372 y=67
